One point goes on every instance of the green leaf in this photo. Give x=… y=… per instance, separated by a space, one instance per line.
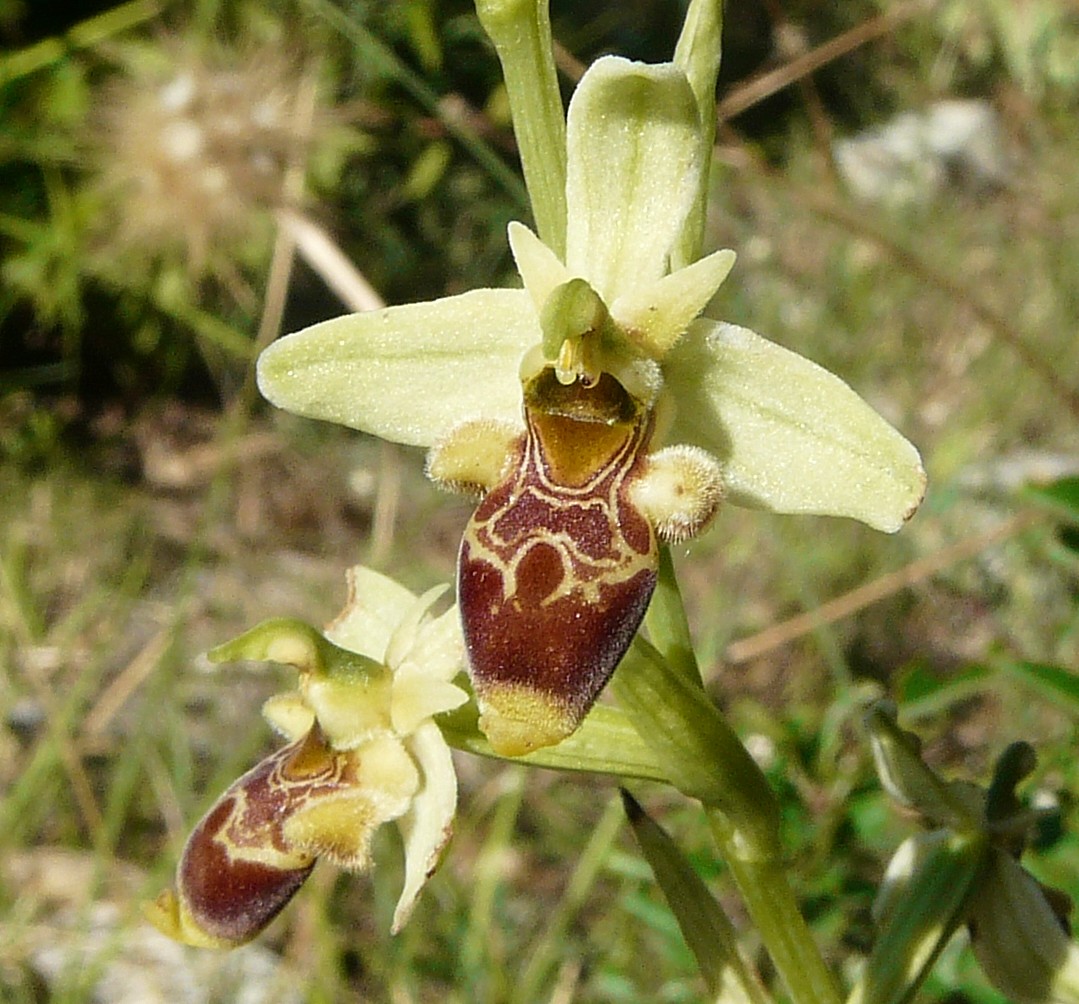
x=1059 y=684
x=921 y=691
x=605 y=743
x=919 y=908
x=521 y=33
x=698 y=55
x=702 y=755
x=706 y=928
x=1061 y=495
x=667 y=623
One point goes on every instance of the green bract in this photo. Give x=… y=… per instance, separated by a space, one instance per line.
x=787 y=435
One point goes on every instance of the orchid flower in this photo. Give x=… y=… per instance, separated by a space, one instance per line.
x=363 y=750
x=553 y=404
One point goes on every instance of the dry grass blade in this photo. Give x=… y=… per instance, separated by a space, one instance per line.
x=872 y=592
x=327 y=259
x=918 y=265
x=783 y=76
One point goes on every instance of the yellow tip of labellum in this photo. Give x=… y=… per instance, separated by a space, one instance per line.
x=167 y=914
x=518 y=719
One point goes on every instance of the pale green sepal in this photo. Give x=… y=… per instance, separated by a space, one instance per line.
x=540 y=268
x=427 y=825
x=927 y=888
x=654 y=316
x=905 y=776
x=376 y=605
x=707 y=929
x=409 y=373
x=789 y=435
x=294 y=643
x=634 y=153
x=1018 y=938
x=703 y=756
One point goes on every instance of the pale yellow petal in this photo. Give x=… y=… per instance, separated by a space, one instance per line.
x=290 y=714
x=408 y=625
x=426 y=827
x=539 y=266
x=417 y=697
x=438 y=649
x=655 y=315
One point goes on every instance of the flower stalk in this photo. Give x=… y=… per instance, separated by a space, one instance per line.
x=665 y=700
x=521 y=33
x=698 y=55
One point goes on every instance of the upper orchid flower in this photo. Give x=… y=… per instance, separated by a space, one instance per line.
x=363 y=751
x=550 y=402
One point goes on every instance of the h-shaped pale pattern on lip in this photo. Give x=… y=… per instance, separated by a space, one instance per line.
x=557 y=565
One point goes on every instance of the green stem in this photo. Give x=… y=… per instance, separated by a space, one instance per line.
x=377 y=54
x=667 y=623
x=697 y=55
x=772 y=905
x=661 y=690
x=84 y=35
x=521 y=33
x=703 y=756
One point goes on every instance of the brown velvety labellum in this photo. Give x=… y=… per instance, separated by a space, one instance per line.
x=237 y=871
x=557 y=565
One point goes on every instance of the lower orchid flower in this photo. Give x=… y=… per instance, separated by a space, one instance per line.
x=363 y=751
x=554 y=402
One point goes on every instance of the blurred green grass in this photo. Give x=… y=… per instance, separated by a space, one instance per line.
x=149 y=510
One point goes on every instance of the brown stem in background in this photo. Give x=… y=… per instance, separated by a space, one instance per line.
x=857 y=599
x=916 y=264
x=783 y=76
